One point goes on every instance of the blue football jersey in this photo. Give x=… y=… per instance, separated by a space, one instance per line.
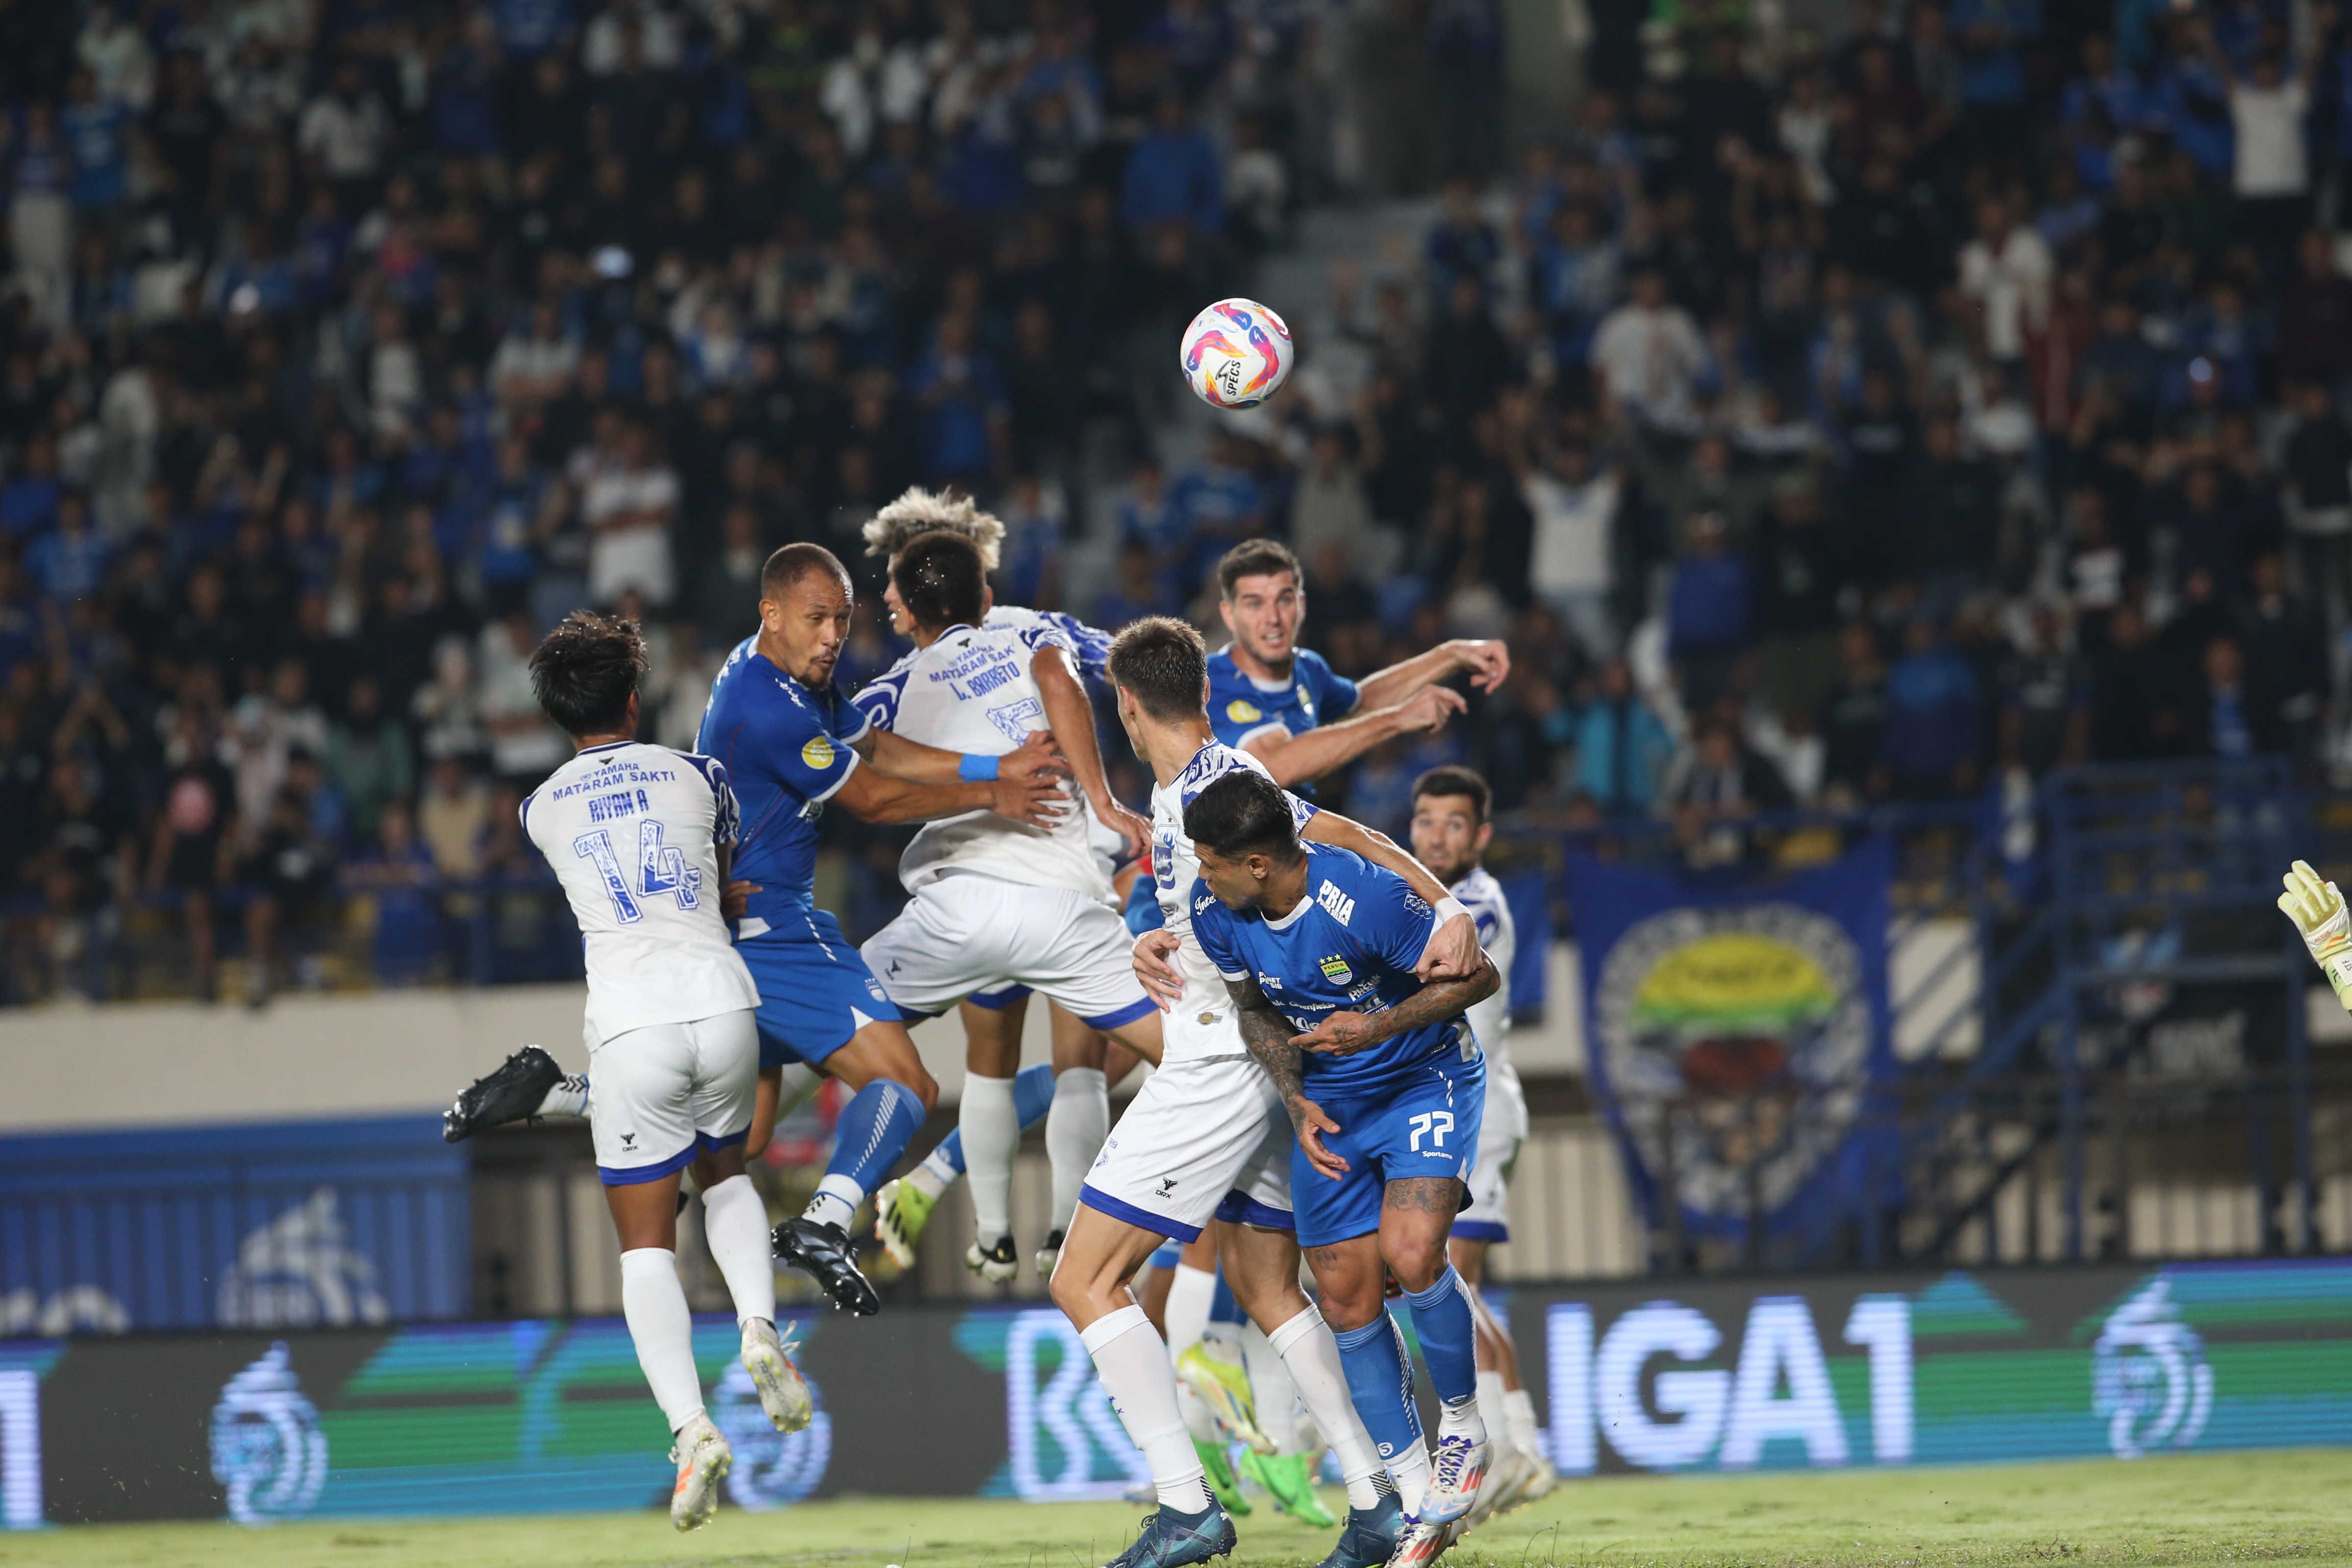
x=787 y=750
x=1241 y=709
x=1350 y=946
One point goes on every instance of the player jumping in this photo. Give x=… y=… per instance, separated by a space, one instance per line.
x=1451 y=831
x=995 y=903
x=1204 y=1138
x=1385 y=1085
x=794 y=744
x=640 y=838
x=1002 y=1100
x=1282 y=703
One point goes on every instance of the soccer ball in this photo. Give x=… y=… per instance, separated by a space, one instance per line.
x=1236 y=354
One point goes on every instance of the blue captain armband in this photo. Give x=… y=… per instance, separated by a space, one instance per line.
x=972 y=768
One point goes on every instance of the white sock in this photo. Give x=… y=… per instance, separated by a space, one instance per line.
x=1199 y=1420
x=1460 y=1419
x=934 y=1175
x=1518 y=1418
x=1076 y=1125
x=662 y=1328
x=1490 y=1389
x=568 y=1098
x=835 y=1203
x=1191 y=1292
x=1410 y=1470
x=991 y=1135
x=1136 y=1372
x=1270 y=1385
x=1311 y=1356
x=735 y=1223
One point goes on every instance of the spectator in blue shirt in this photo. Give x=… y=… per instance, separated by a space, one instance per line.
x=98 y=132
x=960 y=404
x=1172 y=175
x=68 y=561
x=1934 y=718
x=28 y=503
x=1991 y=35
x=1710 y=608
x=1621 y=748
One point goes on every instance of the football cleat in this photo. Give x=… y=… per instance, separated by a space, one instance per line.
x=822 y=1252
x=767 y=1357
x=702 y=1457
x=1225 y=1389
x=996 y=1264
x=1500 y=1489
x=1538 y=1479
x=902 y=1210
x=1422 y=1542
x=1457 y=1468
x=1172 y=1540
x=1049 y=1255
x=1370 y=1537
x=509 y=1093
x=1287 y=1480
x=1225 y=1486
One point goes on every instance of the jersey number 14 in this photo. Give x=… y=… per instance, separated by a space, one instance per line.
x=661 y=869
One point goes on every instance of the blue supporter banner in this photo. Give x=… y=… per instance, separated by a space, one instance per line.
x=272 y=1224
x=1734 y=1034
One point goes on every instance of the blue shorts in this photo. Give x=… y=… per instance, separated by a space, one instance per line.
x=1424 y=1124
x=815 y=992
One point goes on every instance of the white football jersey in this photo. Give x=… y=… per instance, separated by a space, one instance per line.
x=632 y=831
x=1491 y=1020
x=972 y=691
x=1174 y=866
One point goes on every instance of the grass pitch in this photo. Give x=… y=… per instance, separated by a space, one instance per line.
x=2247 y=1508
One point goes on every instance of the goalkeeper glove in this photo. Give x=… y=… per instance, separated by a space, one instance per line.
x=2317 y=910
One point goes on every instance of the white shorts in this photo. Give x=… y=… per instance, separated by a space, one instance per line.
x=1500 y=1133
x=1203 y=1138
x=964 y=933
x=661 y=1095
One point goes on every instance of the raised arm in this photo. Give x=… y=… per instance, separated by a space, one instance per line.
x=1328 y=748
x=1452 y=952
x=1487 y=658
x=1072 y=721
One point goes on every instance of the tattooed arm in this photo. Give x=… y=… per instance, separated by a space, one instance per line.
x=1344 y=1034
x=1266 y=1033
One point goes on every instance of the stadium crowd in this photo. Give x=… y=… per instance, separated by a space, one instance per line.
x=1875 y=417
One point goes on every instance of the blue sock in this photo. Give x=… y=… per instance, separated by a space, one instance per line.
x=1441 y=1319
x=1033 y=1096
x=1380 y=1384
x=1223 y=1308
x=867 y=1141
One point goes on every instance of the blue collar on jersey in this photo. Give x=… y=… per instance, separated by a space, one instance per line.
x=607 y=746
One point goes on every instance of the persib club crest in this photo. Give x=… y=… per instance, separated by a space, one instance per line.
x=1753 y=1022
x=1335 y=970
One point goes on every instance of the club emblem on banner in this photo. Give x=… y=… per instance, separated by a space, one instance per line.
x=1735 y=1034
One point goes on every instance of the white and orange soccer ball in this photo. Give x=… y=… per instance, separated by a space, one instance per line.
x=1236 y=354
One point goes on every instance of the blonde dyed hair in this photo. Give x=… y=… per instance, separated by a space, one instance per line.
x=918 y=511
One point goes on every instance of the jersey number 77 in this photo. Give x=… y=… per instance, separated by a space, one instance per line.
x=660 y=870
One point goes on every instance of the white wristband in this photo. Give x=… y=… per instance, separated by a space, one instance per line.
x=1448 y=907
